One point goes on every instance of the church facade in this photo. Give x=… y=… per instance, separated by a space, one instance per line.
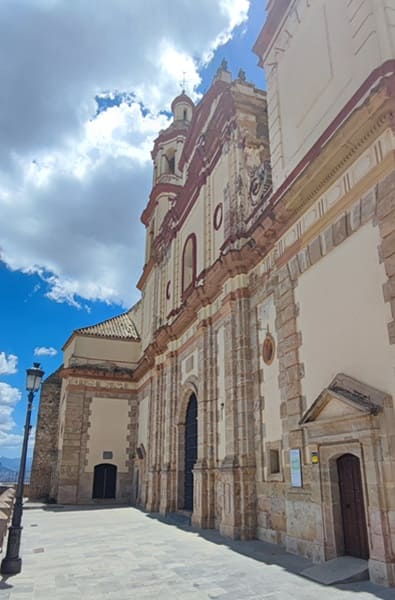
x=253 y=385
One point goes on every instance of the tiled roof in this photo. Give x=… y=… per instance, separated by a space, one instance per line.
x=120 y=327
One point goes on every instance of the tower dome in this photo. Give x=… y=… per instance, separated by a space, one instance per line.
x=182 y=107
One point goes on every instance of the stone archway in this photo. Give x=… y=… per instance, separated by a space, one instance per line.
x=185 y=467
x=190 y=451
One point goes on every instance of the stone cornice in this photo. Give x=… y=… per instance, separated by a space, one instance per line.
x=176 y=130
x=277 y=11
x=145 y=274
x=159 y=189
x=97 y=372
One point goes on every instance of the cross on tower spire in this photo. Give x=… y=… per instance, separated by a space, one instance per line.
x=182 y=84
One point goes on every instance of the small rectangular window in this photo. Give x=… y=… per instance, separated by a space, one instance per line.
x=274 y=462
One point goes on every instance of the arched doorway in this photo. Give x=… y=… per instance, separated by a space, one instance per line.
x=104 y=481
x=352 y=506
x=190 y=451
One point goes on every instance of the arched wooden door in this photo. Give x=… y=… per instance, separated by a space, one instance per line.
x=352 y=507
x=190 y=451
x=104 y=481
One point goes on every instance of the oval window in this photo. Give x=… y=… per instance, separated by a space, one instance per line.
x=269 y=349
x=218 y=216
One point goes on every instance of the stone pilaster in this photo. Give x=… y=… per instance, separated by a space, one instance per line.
x=238 y=467
x=155 y=436
x=171 y=435
x=382 y=561
x=72 y=456
x=204 y=476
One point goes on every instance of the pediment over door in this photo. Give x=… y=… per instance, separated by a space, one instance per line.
x=344 y=398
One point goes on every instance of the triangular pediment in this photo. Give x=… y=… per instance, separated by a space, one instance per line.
x=345 y=397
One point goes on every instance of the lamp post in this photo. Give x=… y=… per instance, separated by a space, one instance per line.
x=12 y=563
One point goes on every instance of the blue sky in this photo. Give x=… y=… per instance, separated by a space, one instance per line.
x=73 y=183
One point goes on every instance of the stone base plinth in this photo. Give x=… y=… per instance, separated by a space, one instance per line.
x=382 y=573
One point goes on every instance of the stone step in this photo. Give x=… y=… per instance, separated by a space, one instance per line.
x=181 y=517
x=343 y=569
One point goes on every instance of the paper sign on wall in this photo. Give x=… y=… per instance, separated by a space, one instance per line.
x=296 y=467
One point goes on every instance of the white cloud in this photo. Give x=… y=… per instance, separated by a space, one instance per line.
x=8 y=364
x=43 y=351
x=73 y=183
x=10 y=440
x=9 y=397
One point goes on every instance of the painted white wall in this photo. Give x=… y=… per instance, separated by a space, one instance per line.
x=163 y=205
x=189 y=366
x=269 y=385
x=195 y=224
x=218 y=180
x=147 y=311
x=320 y=57
x=94 y=350
x=343 y=317
x=108 y=431
x=169 y=303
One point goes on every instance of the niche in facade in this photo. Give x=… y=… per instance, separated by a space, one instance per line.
x=189 y=262
x=170 y=162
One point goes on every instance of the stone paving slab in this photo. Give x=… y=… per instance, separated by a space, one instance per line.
x=123 y=554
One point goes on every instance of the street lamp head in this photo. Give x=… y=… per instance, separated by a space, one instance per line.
x=34 y=376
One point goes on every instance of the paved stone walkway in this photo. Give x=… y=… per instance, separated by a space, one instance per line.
x=124 y=554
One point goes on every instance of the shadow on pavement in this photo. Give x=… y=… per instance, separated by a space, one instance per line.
x=3 y=583
x=269 y=554
x=82 y=507
x=71 y=507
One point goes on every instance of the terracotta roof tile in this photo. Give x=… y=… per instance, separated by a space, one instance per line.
x=120 y=327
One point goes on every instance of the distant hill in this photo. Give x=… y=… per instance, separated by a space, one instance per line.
x=7 y=475
x=9 y=468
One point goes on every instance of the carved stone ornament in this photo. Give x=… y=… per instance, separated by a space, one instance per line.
x=260 y=183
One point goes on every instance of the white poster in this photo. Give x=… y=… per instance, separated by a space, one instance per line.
x=296 y=467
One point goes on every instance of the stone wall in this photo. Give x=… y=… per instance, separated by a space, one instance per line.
x=75 y=473
x=6 y=503
x=45 y=449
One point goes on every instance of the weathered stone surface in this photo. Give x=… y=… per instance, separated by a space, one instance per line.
x=327 y=240
x=354 y=217
x=386 y=187
x=388 y=245
x=46 y=445
x=368 y=206
x=315 y=251
x=340 y=230
x=304 y=260
x=387 y=224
